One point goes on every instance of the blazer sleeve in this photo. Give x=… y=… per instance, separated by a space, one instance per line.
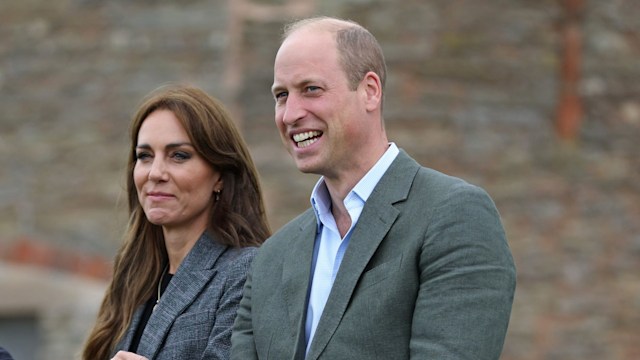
x=242 y=337
x=467 y=281
x=219 y=345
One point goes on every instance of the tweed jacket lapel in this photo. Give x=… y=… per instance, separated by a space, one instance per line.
x=296 y=271
x=192 y=276
x=125 y=342
x=378 y=215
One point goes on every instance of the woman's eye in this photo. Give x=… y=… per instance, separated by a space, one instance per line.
x=141 y=156
x=181 y=155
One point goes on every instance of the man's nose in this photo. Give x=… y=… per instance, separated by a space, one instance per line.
x=294 y=109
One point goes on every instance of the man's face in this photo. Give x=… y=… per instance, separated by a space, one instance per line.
x=320 y=120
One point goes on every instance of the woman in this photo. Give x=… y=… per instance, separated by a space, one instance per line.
x=4 y=354
x=196 y=216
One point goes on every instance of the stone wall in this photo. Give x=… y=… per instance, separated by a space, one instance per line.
x=476 y=89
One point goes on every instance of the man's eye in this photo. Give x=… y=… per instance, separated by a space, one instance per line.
x=312 y=88
x=281 y=95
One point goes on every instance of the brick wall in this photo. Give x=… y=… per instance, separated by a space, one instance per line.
x=477 y=89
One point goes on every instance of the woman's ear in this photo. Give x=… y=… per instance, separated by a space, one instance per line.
x=219 y=184
x=372 y=87
x=217 y=188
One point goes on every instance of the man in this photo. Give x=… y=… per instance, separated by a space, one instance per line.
x=392 y=260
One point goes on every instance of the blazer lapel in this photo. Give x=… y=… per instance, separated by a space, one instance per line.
x=296 y=271
x=378 y=215
x=125 y=342
x=192 y=276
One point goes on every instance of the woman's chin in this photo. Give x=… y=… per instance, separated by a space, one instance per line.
x=157 y=220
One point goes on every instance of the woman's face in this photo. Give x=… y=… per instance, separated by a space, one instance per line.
x=175 y=185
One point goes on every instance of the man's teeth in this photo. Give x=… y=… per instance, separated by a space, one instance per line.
x=306 y=143
x=305 y=135
x=306 y=138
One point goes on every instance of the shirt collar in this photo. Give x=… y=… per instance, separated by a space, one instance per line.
x=321 y=201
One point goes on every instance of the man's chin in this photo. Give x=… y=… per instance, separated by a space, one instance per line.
x=306 y=168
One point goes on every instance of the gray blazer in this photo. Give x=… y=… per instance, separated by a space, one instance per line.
x=4 y=354
x=428 y=274
x=194 y=317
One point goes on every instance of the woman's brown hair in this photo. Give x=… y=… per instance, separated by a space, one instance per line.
x=237 y=218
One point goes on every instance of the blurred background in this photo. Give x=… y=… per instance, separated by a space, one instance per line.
x=536 y=101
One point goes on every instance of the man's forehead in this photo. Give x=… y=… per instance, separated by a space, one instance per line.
x=308 y=35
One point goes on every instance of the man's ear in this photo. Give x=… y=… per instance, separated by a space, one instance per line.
x=372 y=87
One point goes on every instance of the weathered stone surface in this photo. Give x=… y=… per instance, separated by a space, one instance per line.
x=472 y=91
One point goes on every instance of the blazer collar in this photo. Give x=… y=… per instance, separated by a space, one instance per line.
x=193 y=274
x=377 y=217
x=296 y=276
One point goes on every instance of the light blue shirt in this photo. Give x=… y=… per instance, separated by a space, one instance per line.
x=329 y=247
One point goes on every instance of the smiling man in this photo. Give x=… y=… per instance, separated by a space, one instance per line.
x=392 y=260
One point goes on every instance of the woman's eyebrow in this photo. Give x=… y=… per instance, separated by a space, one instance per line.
x=168 y=146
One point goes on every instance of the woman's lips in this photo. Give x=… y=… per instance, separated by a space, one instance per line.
x=159 y=195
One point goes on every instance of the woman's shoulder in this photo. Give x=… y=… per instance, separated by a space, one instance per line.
x=4 y=354
x=239 y=257
x=238 y=253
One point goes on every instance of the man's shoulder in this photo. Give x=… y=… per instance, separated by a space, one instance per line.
x=405 y=165
x=440 y=179
x=288 y=232
x=437 y=186
x=439 y=189
x=277 y=247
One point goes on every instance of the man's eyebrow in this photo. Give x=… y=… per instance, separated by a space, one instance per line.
x=276 y=88
x=300 y=84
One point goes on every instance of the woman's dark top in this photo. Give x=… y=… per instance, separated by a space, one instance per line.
x=146 y=313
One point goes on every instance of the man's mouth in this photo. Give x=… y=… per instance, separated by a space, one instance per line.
x=306 y=138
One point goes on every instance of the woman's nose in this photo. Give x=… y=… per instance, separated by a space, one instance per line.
x=158 y=170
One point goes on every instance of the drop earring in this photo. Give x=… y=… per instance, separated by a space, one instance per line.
x=217 y=196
